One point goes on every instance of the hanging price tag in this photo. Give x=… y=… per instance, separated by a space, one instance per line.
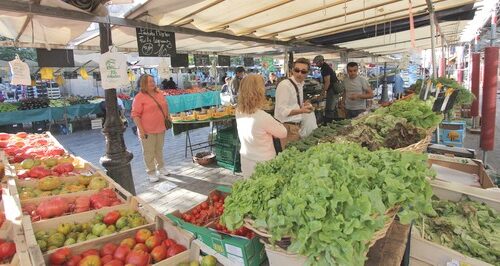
x=447 y=95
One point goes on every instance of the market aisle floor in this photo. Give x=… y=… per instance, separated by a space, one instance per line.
x=193 y=182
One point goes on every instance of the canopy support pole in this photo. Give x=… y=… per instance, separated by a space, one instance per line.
x=117 y=158
x=433 y=36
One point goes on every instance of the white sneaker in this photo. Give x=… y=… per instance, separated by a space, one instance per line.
x=153 y=178
x=164 y=171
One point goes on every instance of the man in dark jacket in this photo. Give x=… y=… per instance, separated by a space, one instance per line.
x=329 y=78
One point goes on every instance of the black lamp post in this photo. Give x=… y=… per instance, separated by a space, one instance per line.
x=117 y=158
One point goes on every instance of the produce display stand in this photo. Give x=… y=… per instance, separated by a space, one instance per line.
x=189 y=145
x=21 y=228
x=424 y=252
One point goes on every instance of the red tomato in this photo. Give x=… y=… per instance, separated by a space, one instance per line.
x=142 y=235
x=74 y=261
x=4 y=136
x=21 y=135
x=7 y=250
x=90 y=252
x=174 y=250
x=106 y=259
x=108 y=249
x=60 y=256
x=114 y=263
x=161 y=234
x=111 y=217
x=121 y=252
x=91 y=260
x=169 y=242
x=159 y=253
x=152 y=242
x=141 y=246
x=215 y=197
x=138 y=258
x=204 y=205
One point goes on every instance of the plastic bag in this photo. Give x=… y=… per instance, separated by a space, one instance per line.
x=308 y=124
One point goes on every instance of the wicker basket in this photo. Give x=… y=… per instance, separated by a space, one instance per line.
x=421 y=146
x=286 y=241
x=204 y=158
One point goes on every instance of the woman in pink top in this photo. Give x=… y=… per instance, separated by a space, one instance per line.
x=149 y=119
x=256 y=128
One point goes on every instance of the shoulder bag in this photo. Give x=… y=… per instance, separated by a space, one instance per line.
x=168 y=123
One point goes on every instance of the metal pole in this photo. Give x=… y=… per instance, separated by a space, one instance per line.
x=433 y=36
x=117 y=158
x=385 y=93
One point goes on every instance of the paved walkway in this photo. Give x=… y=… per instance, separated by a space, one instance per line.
x=193 y=181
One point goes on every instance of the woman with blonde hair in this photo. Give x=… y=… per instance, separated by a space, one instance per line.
x=256 y=128
x=149 y=111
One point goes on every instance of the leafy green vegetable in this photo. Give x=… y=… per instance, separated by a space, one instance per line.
x=415 y=111
x=330 y=199
x=466 y=226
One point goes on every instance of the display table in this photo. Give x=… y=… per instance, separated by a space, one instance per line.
x=51 y=113
x=190 y=125
x=185 y=102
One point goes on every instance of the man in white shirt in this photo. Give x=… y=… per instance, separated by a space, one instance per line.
x=290 y=104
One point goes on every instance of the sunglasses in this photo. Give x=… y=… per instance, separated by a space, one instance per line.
x=296 y=70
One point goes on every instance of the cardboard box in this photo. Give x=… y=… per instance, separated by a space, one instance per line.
x=465 y=165
x=239 y=250
x=425 y=252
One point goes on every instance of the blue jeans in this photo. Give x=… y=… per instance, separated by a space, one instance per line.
x=353 y=113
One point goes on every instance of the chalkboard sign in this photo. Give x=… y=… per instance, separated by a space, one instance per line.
x=155 y=43
x=55 y=58
x=201 y=60
x=248 y=61
x=179 y=60
x=224 y=60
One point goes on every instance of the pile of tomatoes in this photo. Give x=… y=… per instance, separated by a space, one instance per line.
x=242 y=231
x=206 y=211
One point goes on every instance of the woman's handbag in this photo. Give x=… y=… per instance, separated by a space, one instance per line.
x=168 y=122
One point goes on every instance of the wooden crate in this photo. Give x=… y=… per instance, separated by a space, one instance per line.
x=30 y=228
x=425 y=252
x=465 y=165
x=13 y=232
x=180 y=236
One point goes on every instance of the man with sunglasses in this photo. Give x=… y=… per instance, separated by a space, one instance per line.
x=290 y=104
x=357 y=91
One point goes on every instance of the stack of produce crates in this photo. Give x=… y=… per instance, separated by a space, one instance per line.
x=227 y=149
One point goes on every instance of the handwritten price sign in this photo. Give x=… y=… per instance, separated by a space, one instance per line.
x=155 y=43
